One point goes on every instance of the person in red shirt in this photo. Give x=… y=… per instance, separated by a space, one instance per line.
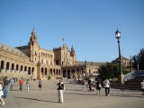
x=21 y=84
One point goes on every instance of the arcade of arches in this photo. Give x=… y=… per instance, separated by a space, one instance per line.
x=73 y=73
x=15 y=69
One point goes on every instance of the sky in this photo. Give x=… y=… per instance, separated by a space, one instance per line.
x=87 y=25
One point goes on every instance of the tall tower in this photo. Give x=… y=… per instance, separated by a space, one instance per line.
x=34 y=47
x=73 y=55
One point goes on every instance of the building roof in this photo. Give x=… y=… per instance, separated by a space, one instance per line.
x=90 y=63
x=123 y=58
x=12 y=50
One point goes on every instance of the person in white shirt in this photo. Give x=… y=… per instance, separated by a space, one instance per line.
x=1 y=93
x=11 y=84
x=107 y=86
x=28 y=84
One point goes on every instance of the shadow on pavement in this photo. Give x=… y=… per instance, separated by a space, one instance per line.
x=36 y=99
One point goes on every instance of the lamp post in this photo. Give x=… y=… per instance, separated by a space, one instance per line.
x=118 y=36
x=130 y=63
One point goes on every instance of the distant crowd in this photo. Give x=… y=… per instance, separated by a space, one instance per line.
x=7 y=85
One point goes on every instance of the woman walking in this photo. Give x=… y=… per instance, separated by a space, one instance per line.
x=98 y=87
x=28 y=84
x=1 y=93
x=60 y=91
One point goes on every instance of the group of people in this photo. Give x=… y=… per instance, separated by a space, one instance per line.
x=7 y=85
x=106 y=85
x=21 y=82
x=61 y=87
x=4 y=88
x=88 y=84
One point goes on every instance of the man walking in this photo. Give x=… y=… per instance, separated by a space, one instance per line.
x=5 y=89
x=107 y=86
x=21 y=84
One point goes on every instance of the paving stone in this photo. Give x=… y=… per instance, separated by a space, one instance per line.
x=74 y=97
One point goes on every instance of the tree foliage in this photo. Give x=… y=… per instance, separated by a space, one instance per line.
x=139 y=59
x=110 y=70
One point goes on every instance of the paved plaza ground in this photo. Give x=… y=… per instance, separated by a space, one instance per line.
x=74 y=97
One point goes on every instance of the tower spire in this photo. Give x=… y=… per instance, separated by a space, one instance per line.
x=33 y=28
x=33 y=38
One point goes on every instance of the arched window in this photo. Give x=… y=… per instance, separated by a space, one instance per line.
x=25 y=68
x=50 y=71
x=42 y=70
x=29 y=71
x=17 y=67
x=45 y=71
x=12 y=66
x=7 y=65
x=57 y=72
x=21 y=68
x=32 y=70
x=2 y=64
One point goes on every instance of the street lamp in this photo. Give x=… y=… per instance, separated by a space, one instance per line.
x=118 y=36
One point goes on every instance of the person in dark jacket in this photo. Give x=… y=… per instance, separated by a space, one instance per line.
x=60 y=91
x=40 y=84
x=5 y=88
x=98 y=87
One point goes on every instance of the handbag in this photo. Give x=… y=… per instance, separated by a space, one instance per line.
x=100 y=86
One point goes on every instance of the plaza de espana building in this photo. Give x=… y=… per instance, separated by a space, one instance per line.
x=33 y=62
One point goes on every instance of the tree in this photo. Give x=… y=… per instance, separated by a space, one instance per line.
x=139 y=59
x=110 y=70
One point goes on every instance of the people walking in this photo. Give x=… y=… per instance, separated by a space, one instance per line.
x=11 y=84
x=142 y=87
x=21 y=84
x=28 y=84
x=40 y=84
x=5 y=89
x=107 y=87
x=98 y=87
x=1 y=93
x=60 y=91
x=90 y=84
x=85 y=85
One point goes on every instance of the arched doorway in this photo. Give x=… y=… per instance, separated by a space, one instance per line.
x=69 y=76
x=64 y=73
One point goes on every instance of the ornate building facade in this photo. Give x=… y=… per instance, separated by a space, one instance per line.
x=33 y=62
x=125 y=61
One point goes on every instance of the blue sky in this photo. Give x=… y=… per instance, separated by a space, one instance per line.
x=88 y=25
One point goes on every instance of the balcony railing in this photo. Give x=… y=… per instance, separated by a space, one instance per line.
x=133 y=75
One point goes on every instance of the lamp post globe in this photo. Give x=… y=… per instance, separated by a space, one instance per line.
x=118 y=34
x=121 y=76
